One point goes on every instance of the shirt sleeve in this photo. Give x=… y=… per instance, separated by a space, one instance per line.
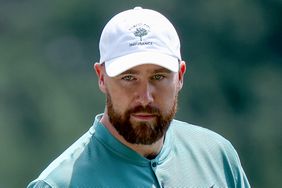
x=241 y=180
x=39 y=184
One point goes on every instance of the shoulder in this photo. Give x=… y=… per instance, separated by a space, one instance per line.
x=39 y=184
x=59 y=172
x=207 y=147
x=203 y=140
x=195 y=132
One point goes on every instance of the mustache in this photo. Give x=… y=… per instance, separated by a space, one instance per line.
x=145 y=109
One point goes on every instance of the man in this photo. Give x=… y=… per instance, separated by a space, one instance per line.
x=136 y=142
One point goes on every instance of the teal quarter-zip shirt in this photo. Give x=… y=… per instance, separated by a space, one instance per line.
x=191 y=156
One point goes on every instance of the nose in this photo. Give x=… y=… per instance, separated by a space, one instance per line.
x=144 y=94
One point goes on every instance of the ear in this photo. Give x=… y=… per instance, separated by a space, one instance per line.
x=100 y=72
x=182 y=70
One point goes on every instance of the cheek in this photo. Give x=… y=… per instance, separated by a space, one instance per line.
x=166 y=97
x=169 y=89
x=119 y=99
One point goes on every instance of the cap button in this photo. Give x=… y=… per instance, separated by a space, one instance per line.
x=137 y=8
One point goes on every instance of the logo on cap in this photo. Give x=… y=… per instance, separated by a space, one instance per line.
x=140 y=30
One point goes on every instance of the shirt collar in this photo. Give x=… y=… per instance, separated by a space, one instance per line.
x=102 y=134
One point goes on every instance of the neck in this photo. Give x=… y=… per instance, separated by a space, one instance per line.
x=148 y=151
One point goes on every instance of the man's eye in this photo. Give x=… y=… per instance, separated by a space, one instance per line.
x=128 y=78
x=158 y=77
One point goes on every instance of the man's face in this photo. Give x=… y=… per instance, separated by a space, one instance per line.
x=145 y=130
x=142 y=101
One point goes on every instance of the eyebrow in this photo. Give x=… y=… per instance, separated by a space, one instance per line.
x=163 y=70
x=132 y=71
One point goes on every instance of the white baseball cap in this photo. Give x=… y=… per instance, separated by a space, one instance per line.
x=139 y=36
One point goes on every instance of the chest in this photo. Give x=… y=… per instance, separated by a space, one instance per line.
x=174 y=172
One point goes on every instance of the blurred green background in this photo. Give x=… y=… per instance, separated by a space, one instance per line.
x=49 y=94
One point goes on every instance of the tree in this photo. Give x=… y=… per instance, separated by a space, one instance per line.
x=140 y=32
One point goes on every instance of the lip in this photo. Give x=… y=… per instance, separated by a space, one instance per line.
x=143 y=116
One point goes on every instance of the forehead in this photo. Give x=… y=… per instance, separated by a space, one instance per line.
x=146 y=68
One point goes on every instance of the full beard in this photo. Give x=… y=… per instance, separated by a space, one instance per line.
x=143 y=132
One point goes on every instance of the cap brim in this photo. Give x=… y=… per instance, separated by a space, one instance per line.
x=118 y=65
